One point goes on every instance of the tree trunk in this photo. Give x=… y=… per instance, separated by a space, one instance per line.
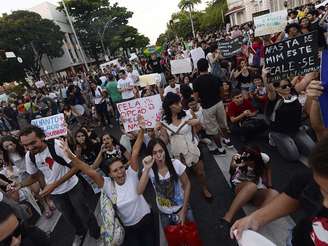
x=191 y=21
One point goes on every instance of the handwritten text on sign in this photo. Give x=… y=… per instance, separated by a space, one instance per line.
x=53 y=126
x=231 y=47
x=296 y=56
x=181 y=66
x=148 y=107
x=270 y=23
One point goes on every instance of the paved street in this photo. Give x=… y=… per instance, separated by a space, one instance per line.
x=207 y=214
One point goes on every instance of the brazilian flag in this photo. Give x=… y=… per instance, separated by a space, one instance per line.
x=151 y=49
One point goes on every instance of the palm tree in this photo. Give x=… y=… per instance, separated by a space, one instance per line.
x=189 y=4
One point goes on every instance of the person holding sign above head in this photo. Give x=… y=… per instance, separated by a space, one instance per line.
x=121 y=188
x=46 y=158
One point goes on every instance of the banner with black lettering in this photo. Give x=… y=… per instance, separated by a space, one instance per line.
x=296 y=56
x=231 y=47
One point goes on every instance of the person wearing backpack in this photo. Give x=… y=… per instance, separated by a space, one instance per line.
x=127 y=217
x=46 y=158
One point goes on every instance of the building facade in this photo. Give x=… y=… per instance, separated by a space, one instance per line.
x=72 y=58
x=241 y=11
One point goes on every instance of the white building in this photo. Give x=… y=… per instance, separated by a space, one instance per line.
x=71 y=60
x=241 y=11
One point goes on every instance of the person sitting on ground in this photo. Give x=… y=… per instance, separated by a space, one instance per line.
x=14 y=232
x=251 y=181
x=242 y=115
x=307 y=190
x=259 y=94
x=284 y=112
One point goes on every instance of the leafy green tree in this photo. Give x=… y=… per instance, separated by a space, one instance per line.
x=96 y=20
x=29 y=37
x=189 y=4
x=213 y=16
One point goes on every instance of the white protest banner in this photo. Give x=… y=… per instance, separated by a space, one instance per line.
x=181 y=66
x=53 y=126
x=196 y=55
x=149 y=79
x=112 y=62
x=40 y=84
x=148 y=107
x=270 y=23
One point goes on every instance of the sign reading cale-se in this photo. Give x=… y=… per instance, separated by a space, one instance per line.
x=296 y=56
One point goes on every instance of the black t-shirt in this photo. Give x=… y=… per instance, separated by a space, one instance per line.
x=208 y=88
x=89 y=154
x=313 y=229
x=155 y=65
x=33 y=236
x=288 y=116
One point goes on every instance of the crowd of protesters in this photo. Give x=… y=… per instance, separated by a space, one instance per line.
x=223 y=99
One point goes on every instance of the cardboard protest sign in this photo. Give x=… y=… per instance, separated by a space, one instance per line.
x=231 y=47
x=149 y=79
x=324 y=79
x=112 y=62
x=148 y=107
x=270 y=23
x=296 y=56
x=260 y=13
x=53 y=126
x=196 y=55
x=181 y=66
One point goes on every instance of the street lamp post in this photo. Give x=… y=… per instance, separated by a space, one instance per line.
x=101 y=36
x=77 y=40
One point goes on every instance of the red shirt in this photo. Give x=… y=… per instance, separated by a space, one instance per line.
x=234 y=110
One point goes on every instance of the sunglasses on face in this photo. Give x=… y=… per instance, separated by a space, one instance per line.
x=16 y=233
x=277 y=84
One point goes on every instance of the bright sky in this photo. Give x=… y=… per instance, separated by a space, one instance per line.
x=150 y=16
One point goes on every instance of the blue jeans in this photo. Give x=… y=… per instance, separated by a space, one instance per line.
x=290 y=146
x=166 y=219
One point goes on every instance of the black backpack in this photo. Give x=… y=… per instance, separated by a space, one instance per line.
x=51 y=146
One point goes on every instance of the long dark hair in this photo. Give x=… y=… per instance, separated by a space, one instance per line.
x=19 y=148
x=169 y=99
x=254 y=154
x=168 y=160
x=88 y=142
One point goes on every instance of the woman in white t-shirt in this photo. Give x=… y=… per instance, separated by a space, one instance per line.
x=99 y=99
x=170 y=181
x=15 y=170
x=133 y=210
x=184 y=144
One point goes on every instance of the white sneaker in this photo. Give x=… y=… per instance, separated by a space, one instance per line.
x=77 y=240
